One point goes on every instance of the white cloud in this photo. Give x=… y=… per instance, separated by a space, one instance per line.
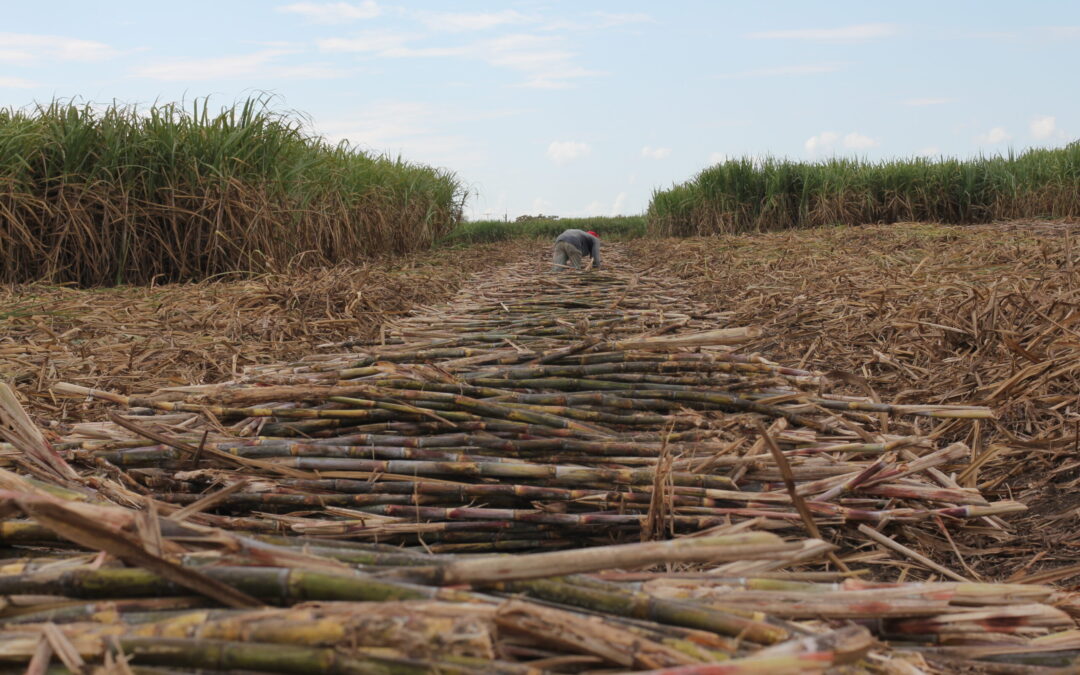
x=539 y=205
x=24 y=48
x=17 y=83
x=262 y=63
x=993 y=137
x=333 y=12
x=557 y=78
x=424 y=52
x=1062 y=32
x=523 y=51
x=857 y=141
x=15 y=56
x=655 y=153
x=562 y=152
x=595 y=208
x=619 y=204
x=781 y=71
x=822 y=141
x=930 y=151
x=1036 y=33
x=461 y=21
x=866 y=31
x=314 y=71
x=1044 y=127
x=381 y=124
x=610 y=20
x=368 y=42
x=209 y=69
x=411 y=129
x=420 y=132
x=827 y=140
x=542 y=59
x=928 y=101
x=597 y=21
x=389 y=45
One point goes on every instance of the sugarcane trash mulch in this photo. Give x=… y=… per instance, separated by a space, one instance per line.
x=138 y=338
x=578 y=472
x=930 y=313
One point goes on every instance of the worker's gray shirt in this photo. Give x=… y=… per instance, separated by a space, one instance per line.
x=584 y=242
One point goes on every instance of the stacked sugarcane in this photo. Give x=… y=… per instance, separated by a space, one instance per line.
x=172 y=591
x=568 y=414
x=539 y=411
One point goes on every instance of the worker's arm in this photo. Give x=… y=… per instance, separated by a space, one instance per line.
x=594 y=246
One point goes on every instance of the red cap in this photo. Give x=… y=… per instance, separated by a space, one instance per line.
x=594 y=234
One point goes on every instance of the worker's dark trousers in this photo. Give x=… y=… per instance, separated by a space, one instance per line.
x=565 y=256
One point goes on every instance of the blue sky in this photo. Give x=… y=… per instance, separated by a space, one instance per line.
x=581 y=108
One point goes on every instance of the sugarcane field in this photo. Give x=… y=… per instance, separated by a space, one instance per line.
x=385 y=338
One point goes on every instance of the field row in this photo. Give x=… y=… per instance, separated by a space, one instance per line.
x=825 y=493
x=117 y=195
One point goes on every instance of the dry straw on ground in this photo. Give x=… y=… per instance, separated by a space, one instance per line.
x=985 y=315
x=135 y=338
x=529 y=413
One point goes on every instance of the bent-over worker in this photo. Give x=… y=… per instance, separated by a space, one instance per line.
x=571 y=245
